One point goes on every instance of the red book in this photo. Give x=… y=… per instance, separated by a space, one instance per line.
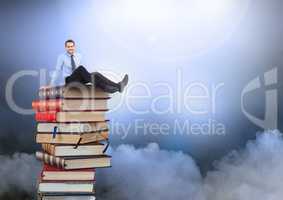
x=70 y=116
x=52 y=168
x=53 y=174
x=45 y=116
x=49 y=105
x=70 y=105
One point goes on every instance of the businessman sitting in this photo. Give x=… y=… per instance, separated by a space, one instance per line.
x=69 y=67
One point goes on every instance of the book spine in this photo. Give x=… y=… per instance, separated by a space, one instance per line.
x=51 y=93
x=41 y=93
x=50 y=160
x=47 y=105
x=45 y=116
x=49 y=148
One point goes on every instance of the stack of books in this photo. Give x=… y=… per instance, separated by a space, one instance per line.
x=73 y=132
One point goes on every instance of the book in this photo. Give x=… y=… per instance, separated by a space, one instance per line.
x=71 y=124
x=67 y=187
x=50 y=173
x=77 y=162
x=79 y=127
x=73 y=91
x=69 y=105
x=90 y=149
x=72 y=138
x=71 y=116
x=65 y=196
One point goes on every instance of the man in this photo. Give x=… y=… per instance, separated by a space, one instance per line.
x=69 y=68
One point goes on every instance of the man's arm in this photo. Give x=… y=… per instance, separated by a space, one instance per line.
x=58 y=70
x=80 y=60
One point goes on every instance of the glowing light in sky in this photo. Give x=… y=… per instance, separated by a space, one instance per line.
x=146 y=11
x=167 y=29
x=158 y=11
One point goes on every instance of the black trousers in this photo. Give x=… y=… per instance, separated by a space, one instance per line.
x=81 y=75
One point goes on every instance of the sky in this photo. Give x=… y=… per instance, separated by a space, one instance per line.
x=188 y=62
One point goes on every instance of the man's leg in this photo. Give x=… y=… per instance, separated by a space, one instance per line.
x=104 y=83
x=80 y=74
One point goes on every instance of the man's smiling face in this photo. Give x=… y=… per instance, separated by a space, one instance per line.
x=70 y=48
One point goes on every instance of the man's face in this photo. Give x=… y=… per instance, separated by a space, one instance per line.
x=70 y=48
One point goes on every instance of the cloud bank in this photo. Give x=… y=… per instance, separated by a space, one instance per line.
x=154 y=174
x=149 y=173
x=255 y=172
x=18 y=171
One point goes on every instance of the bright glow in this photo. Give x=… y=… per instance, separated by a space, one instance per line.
x=146 y=11
x=170 y=29
x=160 y=11
x=214 y=9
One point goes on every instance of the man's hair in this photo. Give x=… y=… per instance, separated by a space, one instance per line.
x=70 y=40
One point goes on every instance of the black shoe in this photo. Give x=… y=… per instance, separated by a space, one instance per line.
x=123 y=83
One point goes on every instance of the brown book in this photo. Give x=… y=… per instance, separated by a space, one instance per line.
x=69 y=105
x=72 y=91
x=79 y=127
x=67 y=187
x=50 y=173
x=77 y=162
x=90 y=149
x=84 y=116
x=71 y=138
x=42 y=196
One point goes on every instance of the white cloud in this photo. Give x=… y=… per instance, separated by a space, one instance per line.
x=154 y=174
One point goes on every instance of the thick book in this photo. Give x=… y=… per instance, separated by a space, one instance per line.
x=90 y=149
x=69 y=105
x=74 y=139
x=67 y=187
x=50 y=173
x=77 y=162
x=79 y=127
x=84 y=116
x=73 y=91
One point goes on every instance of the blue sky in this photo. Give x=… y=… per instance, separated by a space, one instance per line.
x=226 y=44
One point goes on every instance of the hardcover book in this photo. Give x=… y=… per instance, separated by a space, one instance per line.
x=75 y=139
x=50 y=173
x=69 y=105
x=90 y=149
x=72 y=116
x=67 y=187
x=65 y=196
x=79 y=162
x=74 y=91
x=78 y=127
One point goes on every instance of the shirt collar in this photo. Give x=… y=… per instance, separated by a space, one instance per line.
x=69 y=55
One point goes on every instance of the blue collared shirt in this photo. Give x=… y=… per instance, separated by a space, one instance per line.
x=64 y=68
